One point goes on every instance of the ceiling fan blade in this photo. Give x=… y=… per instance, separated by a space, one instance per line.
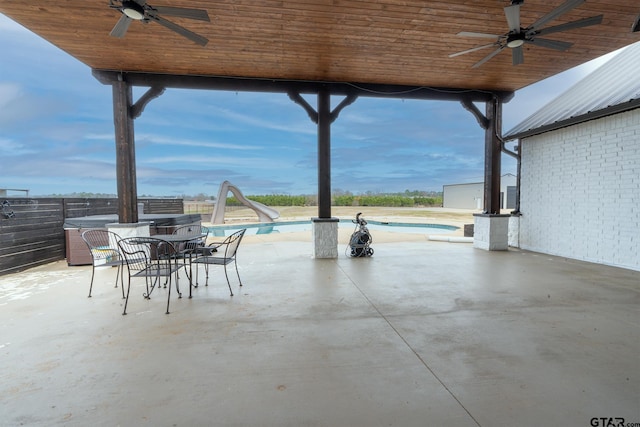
x=471 y=50
x=196 y=38
x=181 y=12
x=555 y=13
x=550 y=44
x=517 y=55
x=480 y=35
x=594 y=20
x=121 y=27
x=488 y=57
x=513 y=17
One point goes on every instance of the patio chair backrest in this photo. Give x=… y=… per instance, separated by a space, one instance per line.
x=103 y=245
x=139 y=252
x=232 y=243
x=136 y=255
x=199 y=232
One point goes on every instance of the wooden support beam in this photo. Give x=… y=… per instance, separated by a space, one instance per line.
x=299 y=86
x=470 y=106
x=324 y=153
x=298 y=99
x=125 y=153
x=350 y=99
x=138 y=107
x=492 y=157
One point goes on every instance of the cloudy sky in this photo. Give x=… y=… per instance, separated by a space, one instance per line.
x=56 y=134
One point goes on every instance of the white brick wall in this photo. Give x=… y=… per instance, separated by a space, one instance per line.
x=580 y=191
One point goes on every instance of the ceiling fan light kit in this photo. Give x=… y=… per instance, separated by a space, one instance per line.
x=514 y=42
x=517 y=36
x=133 y=10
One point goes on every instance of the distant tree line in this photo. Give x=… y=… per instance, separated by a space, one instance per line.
x=388 y=200
x=274 y=200
x=406 y=199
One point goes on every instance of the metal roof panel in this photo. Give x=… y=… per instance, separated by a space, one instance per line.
x=615 y=83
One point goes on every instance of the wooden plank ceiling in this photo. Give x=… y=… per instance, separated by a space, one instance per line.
x=382 y=42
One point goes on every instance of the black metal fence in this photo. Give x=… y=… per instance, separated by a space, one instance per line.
x=31 y=229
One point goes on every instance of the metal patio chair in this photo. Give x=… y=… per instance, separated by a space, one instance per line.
x=195 y=237
x=222 y=253
x=103 y=246
x=150 y=258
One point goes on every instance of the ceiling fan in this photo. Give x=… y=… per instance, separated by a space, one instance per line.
x=518 y=36
x=140 y=10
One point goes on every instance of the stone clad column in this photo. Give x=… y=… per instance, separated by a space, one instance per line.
x=324 y=235
x=490 y=232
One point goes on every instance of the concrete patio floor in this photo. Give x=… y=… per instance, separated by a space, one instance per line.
x=422 y=334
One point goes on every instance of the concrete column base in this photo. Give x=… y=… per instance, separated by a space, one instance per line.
x=324 y=233
x=138 y=229
x=490 y=232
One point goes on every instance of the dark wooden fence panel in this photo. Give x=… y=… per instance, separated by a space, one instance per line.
x=162 y=206
x=30 y=233
x=31 y=230
x=74 y=208
x=84 y=207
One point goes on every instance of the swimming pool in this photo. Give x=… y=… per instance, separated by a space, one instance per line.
x=297 y=226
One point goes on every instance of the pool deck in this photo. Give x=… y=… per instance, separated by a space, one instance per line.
x=421 y=334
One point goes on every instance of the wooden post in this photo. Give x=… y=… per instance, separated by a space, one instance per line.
x=125 y=153
x=492 y=157
x=324 y=153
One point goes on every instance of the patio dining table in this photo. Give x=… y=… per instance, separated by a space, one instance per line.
x=175 y=241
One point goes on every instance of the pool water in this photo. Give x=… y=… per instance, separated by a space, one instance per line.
x=296 y=226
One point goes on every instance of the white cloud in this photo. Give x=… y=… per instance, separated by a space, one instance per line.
x=9 y=93
x=163 y=140
x=12 y=148
x=15 y=105
x=254 y=121
x=246 y=163
x=100 y=136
